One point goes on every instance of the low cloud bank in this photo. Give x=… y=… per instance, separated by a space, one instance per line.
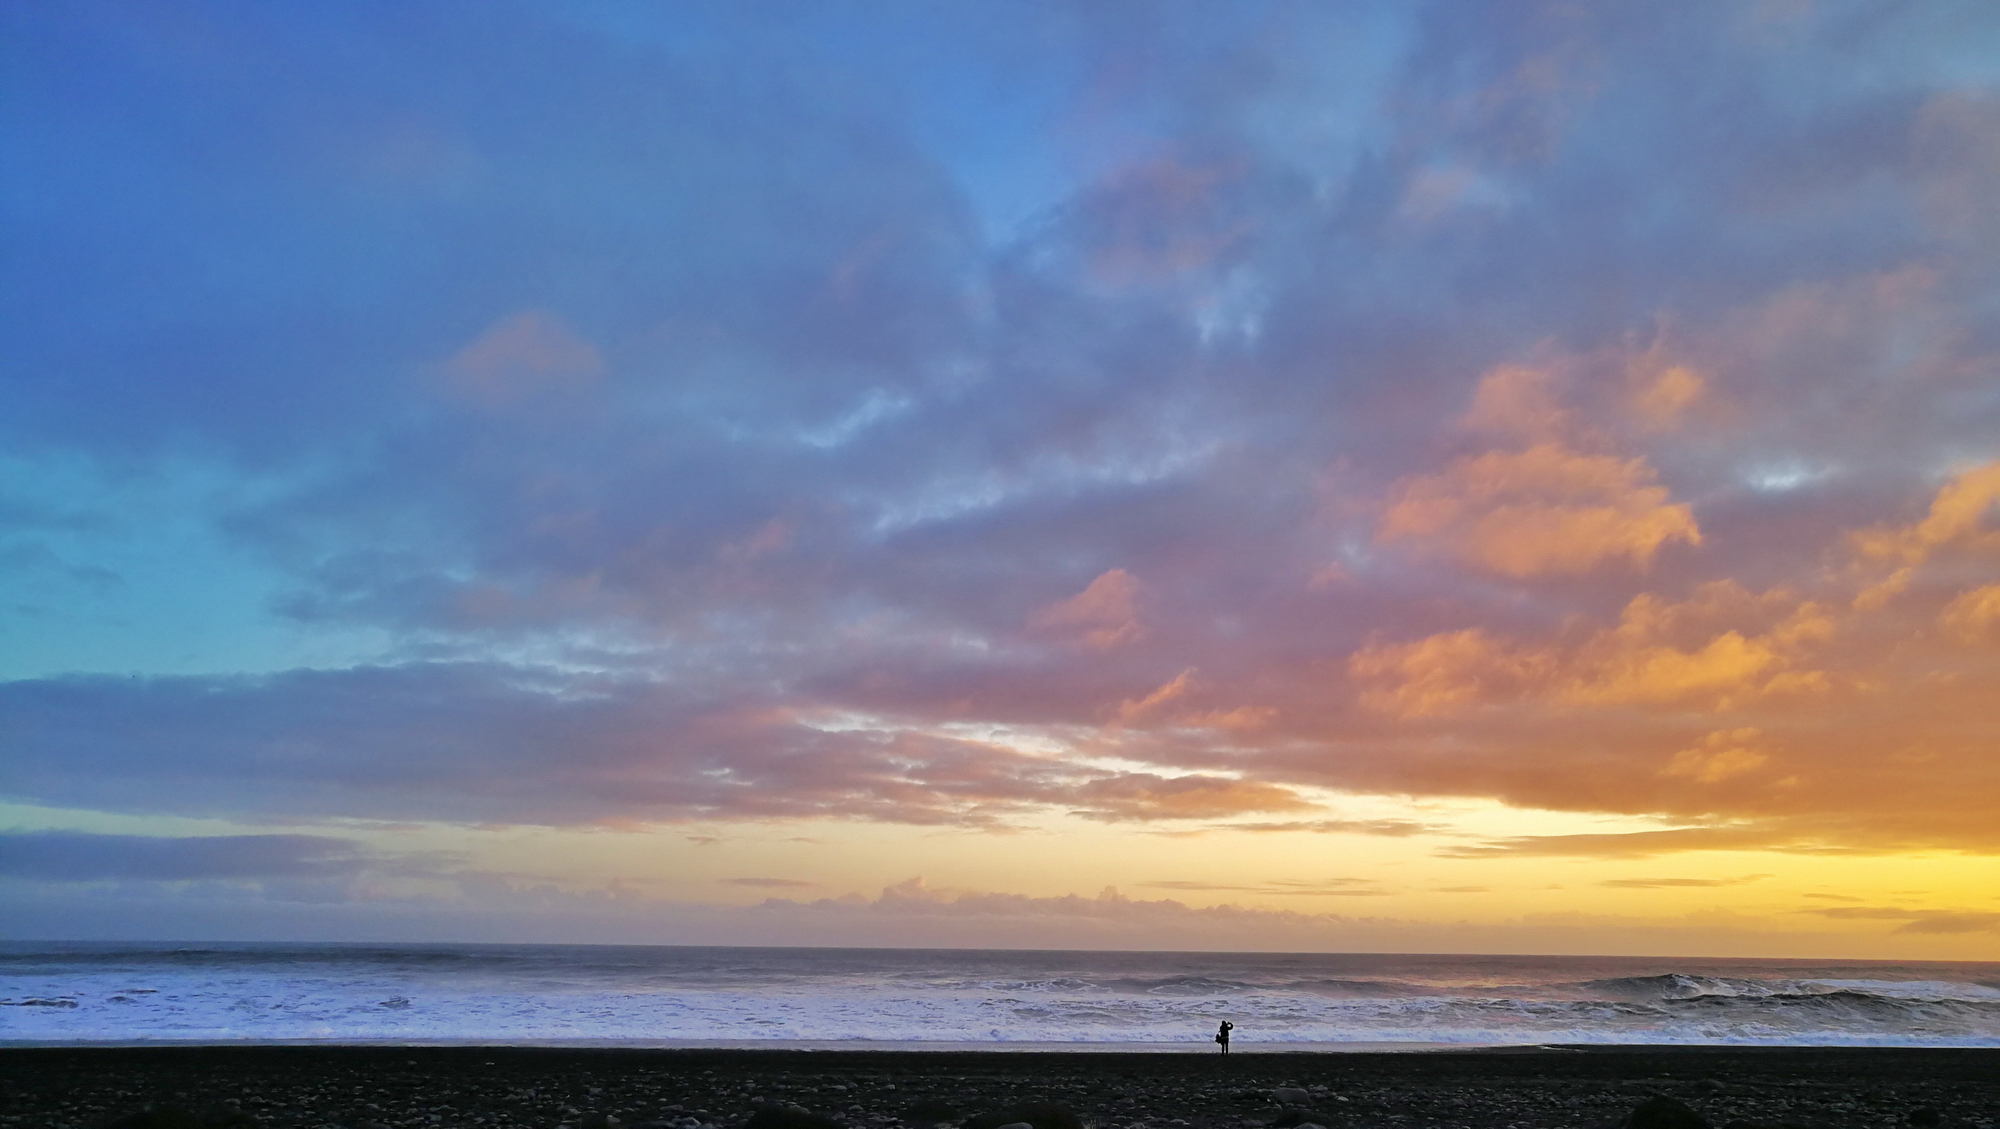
x=77 y=856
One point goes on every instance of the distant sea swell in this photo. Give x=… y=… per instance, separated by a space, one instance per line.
x=717 y=996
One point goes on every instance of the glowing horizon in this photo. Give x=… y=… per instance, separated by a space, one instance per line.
x=1486 y=478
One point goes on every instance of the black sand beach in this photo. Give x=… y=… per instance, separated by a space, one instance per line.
x=273 y=1087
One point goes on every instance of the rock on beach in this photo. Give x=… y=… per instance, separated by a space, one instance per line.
x=545 y=1088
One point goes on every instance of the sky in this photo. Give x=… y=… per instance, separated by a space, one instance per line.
x=1440 y=477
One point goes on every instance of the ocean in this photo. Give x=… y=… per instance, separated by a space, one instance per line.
x=52 y=993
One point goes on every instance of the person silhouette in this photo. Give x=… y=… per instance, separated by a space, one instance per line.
x=1222 y=1035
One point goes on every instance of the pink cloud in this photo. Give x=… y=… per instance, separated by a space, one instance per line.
x=1104 y=615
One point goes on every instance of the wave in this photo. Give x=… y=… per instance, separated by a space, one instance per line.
x=247 y=956
x=1182 y=986
x=539 y=994
x=1366 y=989
x=1685 y=986
x=1682 y=987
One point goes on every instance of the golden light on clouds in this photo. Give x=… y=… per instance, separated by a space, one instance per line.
x=1544 y=511
x=1721 y=755
x=1546 y=508
x=1265 y=464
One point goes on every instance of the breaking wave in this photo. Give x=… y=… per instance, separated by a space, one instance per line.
x=672 y=996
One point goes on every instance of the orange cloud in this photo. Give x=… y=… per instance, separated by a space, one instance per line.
x=1721 y=755
x=1517 y=401
x=1663 y=652
x=1957 y=519
x=1660 y=402
x=1154 y=707
x=1132 y=709
x=1546 y=507
x=1547 y=510
x=1660 y=653
x=1103 y=615
x=1144 y=796
x=1441 y=673
x=1719 y=705
x=1242 y=717
x=1973 y=615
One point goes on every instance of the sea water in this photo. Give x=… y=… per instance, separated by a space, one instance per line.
x=674 y=996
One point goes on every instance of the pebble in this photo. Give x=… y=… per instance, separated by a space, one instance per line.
x=361 y=1088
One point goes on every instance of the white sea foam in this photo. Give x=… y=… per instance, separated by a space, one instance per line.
x=531 y=994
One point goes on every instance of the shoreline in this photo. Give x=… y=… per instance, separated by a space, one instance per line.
x=496 y=1087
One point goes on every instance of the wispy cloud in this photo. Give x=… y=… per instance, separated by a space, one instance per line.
x=1391 y=828
x=77 y=856
x=1669 y=883
x=1626 y=844
x=1335 y=887
x=1917 y=920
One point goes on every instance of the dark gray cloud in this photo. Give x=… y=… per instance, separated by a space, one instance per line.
x=482 y=743
x=78 y=856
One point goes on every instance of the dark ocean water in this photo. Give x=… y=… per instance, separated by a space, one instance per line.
x=639 y=995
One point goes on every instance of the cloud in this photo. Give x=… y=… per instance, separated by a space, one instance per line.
x=1135 y=796
x=1539 y=512
x=1957 y=519
x=80 y=856
x=1135 y=708
x=1916 y=920
x=912 y=898
x=1519 y=402
x=402 y=742
x=1103 y=615
x=1664 y=398
x=521 y=355
x=769 y=883
x=1633 y=844
x=1957 y=137
x=1973 y=614
x=1669 y=883
x=1543 y=509
x=1187 y=884
x=1660 y=653
x=1391 y=828
x=1721 y=755
x=1337 y=888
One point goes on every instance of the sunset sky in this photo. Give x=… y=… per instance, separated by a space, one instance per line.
x=1479 y=477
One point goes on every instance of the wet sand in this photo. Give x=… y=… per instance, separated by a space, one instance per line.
x=244 y=1087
